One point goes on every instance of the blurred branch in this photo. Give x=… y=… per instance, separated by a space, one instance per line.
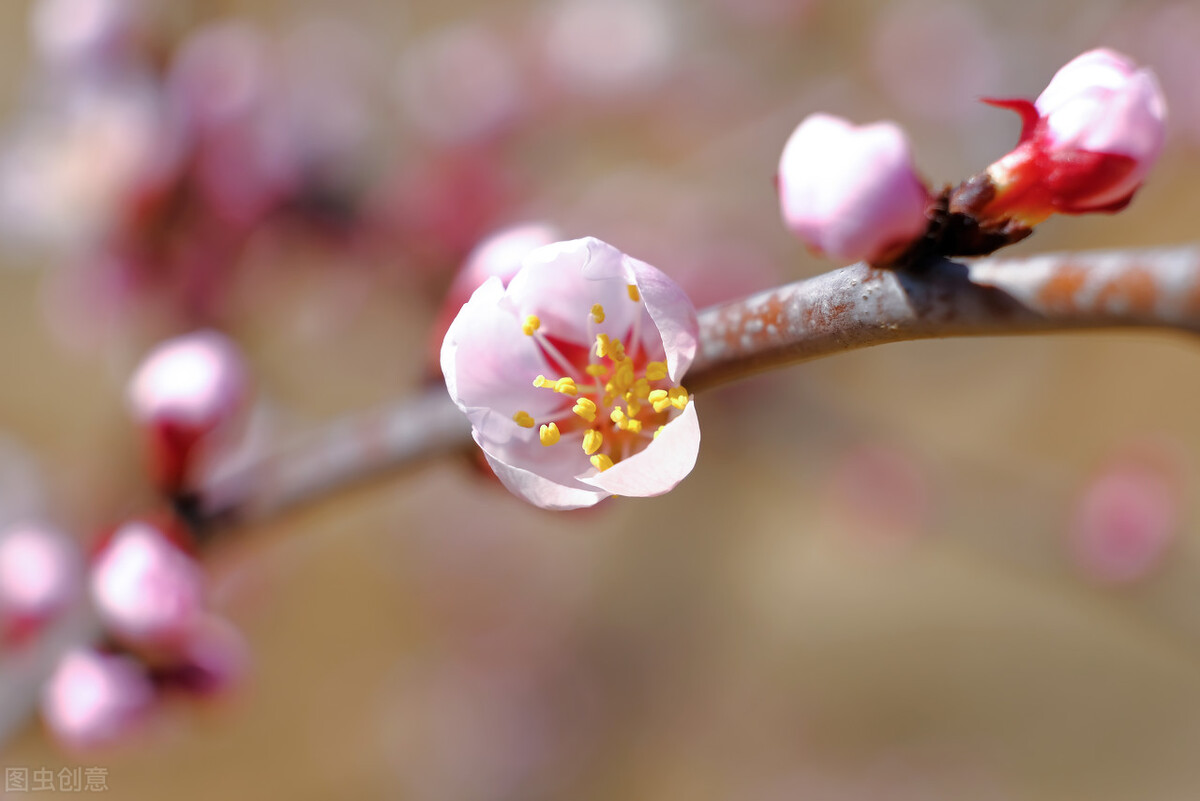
x=349 y=450
x=859 y=306
x=854 y=307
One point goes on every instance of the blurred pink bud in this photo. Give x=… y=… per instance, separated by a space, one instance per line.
x=851 y=192
x=1124 y=521
x=147 y=591
x=461 y=84
x=214 y=659
x=1087 y=143
x=187 y=394
x=85 y=34
x=40 y=572
x=92 y=698
x=610 y=50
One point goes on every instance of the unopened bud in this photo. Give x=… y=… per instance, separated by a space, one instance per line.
x=851 y=192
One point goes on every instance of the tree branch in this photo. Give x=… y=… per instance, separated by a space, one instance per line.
x=859 y=306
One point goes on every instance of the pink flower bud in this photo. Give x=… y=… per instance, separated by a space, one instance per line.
x=94 y=698
x=187 y=393
x=1087 y=142
x=214 y=659
x=849 y=192
x=1125 y=520
x=40 y=572
x=147 y=591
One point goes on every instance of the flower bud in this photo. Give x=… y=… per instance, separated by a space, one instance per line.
x=187 y=393
x=93 y=698
x=147 y=591
x=1086 y=144
x=39 y=574
x=850 y=192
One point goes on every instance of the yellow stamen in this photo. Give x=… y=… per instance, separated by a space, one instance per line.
x=640 y=389
x=633 y=292
x=656 y=371
x=660 y=399
x=623 y=376
x=633 y=426
x=596 y=370
x=531 y=324
x=659 y=431
x=585 y=408
x=679 y=397
x=601 y=462
x=602 y=345
x=523 y=419
x=592 y=440
x=635 y=408
x=597 y=313
x=549 y=434
x=616 y=351
x=617 y=415
x=540 y=381
x=566 y=386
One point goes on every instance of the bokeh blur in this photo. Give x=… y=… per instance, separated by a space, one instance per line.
x=935 y=570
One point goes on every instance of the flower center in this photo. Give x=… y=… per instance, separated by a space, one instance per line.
x=622 y=399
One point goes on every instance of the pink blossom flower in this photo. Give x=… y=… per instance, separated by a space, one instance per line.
x=147 y=591
x=1086 y=144
x=571 y=376
x=187 y=394
x=851 y=192
x=93 y=698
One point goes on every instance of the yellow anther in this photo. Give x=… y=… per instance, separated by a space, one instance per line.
x=658 y=431
x=531 y=324
x=592 y=440
x=679 y=397
x=601 y=462
x=597 y=313
x=616 y=351
x=602 y=341
x=540 y=381
x=523 y=419
x=632 y=425
x=623 y=376
x=585 y=408
x=656 y=371
x=660 y=399
x=635 y=408
x=633 y=292
x=549 y=434
x=566 y=386
x=640 y=389
x=596 y=370
x=617 y=415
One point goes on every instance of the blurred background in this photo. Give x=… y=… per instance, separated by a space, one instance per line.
x=937 y=570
